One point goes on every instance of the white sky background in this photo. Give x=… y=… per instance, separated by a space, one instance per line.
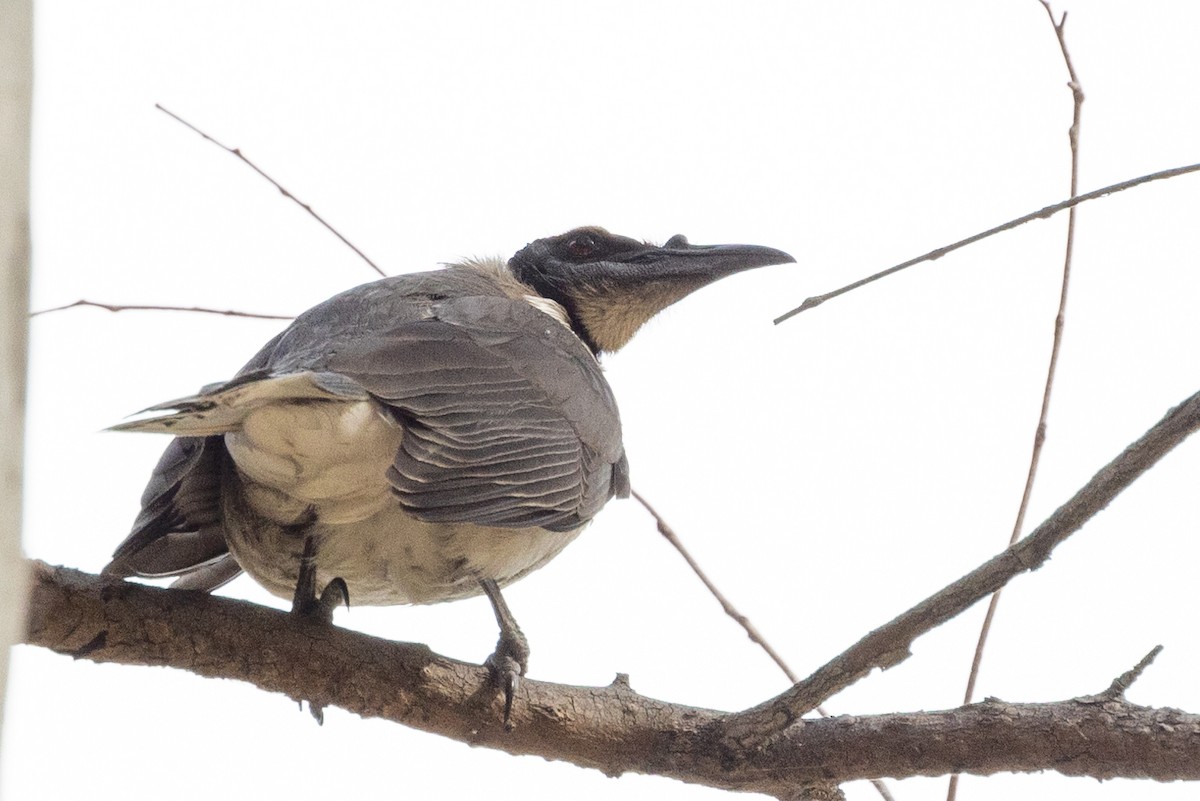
x=828 y=472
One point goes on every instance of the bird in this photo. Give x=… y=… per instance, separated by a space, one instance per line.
x=422 y=438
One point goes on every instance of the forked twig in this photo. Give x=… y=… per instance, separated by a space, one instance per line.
x=237 y=152
x=114 y=307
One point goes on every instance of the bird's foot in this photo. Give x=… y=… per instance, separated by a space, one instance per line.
x=313 y=607
x=307 y=605
x=511 y=658
x=508 y=664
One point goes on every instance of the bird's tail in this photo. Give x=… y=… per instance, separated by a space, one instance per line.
x=221 y=408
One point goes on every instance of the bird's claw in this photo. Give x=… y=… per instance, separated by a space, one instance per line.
x=335 y=594
x=316 y=710
x=508 y=664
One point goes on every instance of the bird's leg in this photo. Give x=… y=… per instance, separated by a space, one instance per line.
x=511 y=658
x=308 y=606
x=305 y=602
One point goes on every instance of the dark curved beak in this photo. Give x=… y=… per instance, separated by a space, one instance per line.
x=680 y=260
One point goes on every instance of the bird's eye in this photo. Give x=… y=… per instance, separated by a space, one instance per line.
x=582 y=246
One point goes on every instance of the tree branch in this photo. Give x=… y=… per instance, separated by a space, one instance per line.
x=727 y=606
x=1040 y=214
x=282 y=190
x=612 y=729
x=889 y=644
x=119 y=307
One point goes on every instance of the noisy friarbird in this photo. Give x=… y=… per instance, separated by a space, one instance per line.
x=421 y=438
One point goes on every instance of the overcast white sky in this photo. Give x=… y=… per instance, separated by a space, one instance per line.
x=829 y=472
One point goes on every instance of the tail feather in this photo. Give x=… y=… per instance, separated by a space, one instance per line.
x=221 y=408
x=210 y=576
x=172 y=553
x=181 y=528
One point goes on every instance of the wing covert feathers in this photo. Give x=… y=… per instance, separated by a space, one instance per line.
x=508 y=419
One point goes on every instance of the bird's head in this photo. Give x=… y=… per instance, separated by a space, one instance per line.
x=610 y=285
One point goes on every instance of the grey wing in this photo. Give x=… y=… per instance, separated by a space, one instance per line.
x=179 y=530
x=508 y=420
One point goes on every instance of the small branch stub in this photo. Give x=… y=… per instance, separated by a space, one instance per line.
x=1123 y=682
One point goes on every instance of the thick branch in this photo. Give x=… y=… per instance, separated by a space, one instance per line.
x=1099 y=740
x=612 y=728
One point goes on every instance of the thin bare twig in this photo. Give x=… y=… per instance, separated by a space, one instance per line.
x=235 y=151
x=751 y=630
x=114 y=307
x=755 y=636
x=1044 y=213
x=1039 y=435
x=1040 y=430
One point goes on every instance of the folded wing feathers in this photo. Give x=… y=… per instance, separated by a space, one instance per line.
x=512 y=426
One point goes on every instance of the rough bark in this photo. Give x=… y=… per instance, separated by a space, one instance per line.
x=612 y=729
